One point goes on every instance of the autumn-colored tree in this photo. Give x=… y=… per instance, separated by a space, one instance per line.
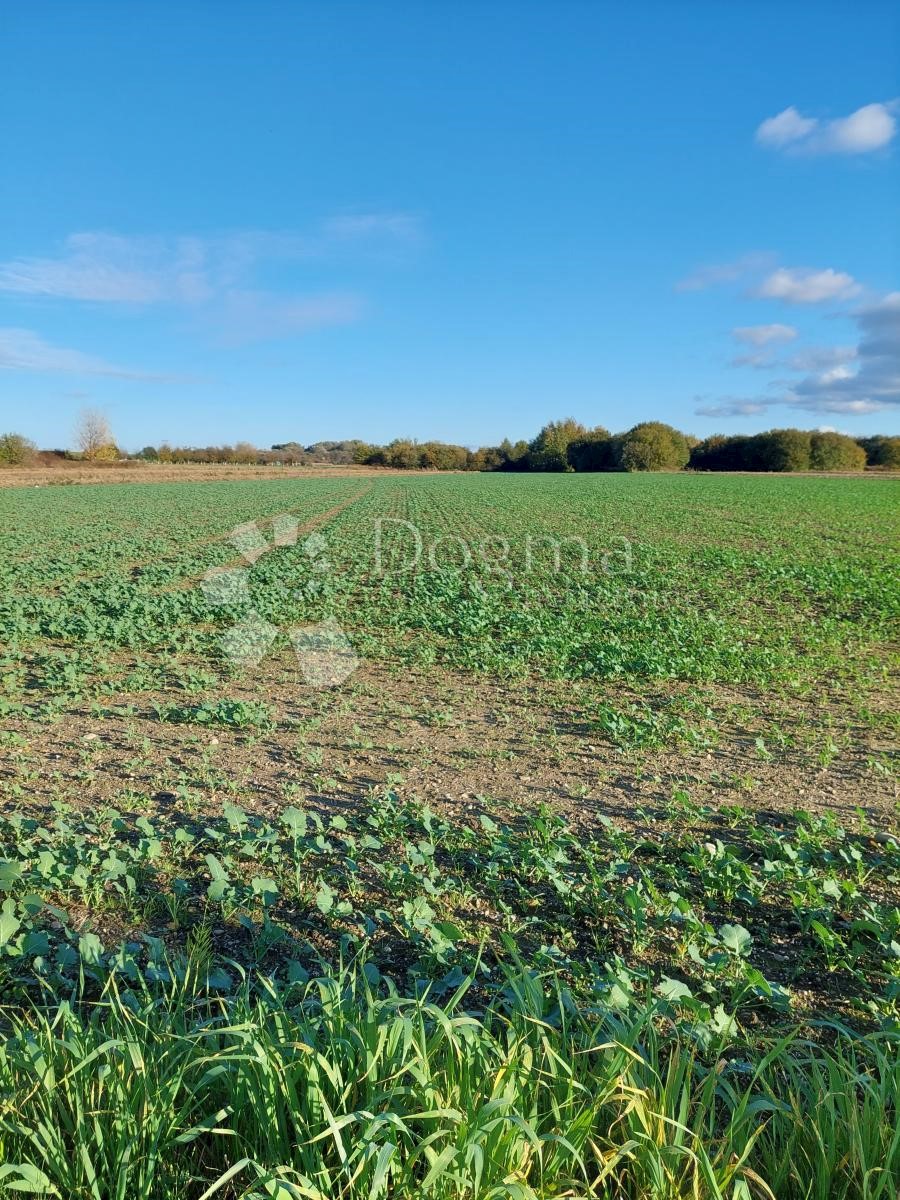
x=16 y=450
x=829 y=451
x=94 y=436
x=549 y=450
x=652 y=446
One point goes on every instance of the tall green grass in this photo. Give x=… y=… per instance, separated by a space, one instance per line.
x=344 y=1090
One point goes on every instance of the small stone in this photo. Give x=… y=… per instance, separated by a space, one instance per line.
x=214 y=741
x=91 y=737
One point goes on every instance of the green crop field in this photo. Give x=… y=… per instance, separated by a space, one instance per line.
x=450 y=836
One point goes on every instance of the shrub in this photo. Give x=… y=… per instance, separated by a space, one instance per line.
x=725 y=453
x=835 y=452
x=593 y=452
x=882 y=451
x=783 y=450
x=652 y=446
x=549 y=450
x=16 y=450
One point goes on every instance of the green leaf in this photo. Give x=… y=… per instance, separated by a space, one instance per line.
x=673 y=989
x=30 y=1179
x=216 y=870
x=736 y=938
x=296 y=972
x=9 y=927
x=90 y=948
x=294 y=821
x=10 y=874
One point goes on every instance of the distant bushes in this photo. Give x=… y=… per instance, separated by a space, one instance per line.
x=16 y=450
x=652 y=446
x=782 y=450
x=562 y=445
x=882 y=451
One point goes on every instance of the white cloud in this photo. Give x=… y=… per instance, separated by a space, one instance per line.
x=758 y=359
x=820 y=358
x=401 y=227
x=713 y=274
x=804 y=285
x=23 y=350
x=215 y=277
x=763 y=335
x=875 y=384
x=868 y=128
x=733 y=406
x=841 y=379
x=110 y=269
x=789 y=126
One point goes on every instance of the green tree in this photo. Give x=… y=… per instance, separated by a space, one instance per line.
x=16 y=450
x=784 y=450
x=549 y=450
x=882 y=451
x=835 y=452
x=593 y=452
x=652 y=446
x=403 y=454
x=514 y=455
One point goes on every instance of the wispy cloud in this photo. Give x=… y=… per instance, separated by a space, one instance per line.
x=23 y=350
x=106 y=268
x=805 y=285
x=715 y=274
x=217 y=278
x=820 y=358
x=250 y=316
x=764 y=278
x=763 y=339
x=395 y=227
x=764 y=335
x=868 y=128
x=733 y=406
x=875 y=383
x=853 y=380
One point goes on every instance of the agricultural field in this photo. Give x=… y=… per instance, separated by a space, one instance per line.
x=450 y=836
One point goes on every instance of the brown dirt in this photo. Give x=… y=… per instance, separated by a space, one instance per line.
x=462 y=743
x=143 y=472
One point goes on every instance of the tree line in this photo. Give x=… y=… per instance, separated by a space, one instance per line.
x=564 y=445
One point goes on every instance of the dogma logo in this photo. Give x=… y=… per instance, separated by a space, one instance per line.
x=324 y=652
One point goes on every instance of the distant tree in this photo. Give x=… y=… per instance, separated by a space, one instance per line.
x=245 y=452
x=149 y=454
x=549 y=450
x=93 y=435
x=723 y=452
x=514 y=455
x=784 y=450
x=652 y=446
x=16 y=450
x=403 y=454
x=882 y=451
x=592 y=452
x=362 y=453
x=835 y=452
x=488 y=458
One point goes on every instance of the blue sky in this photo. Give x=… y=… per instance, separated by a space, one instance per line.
x=261 y=221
